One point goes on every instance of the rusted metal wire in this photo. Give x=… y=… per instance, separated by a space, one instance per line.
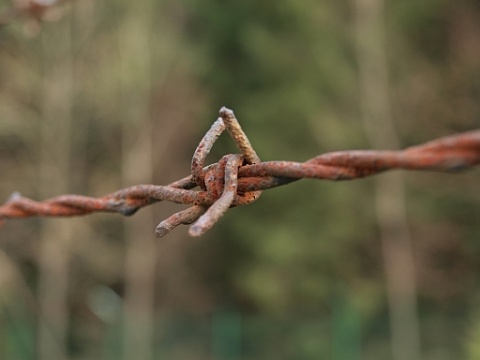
x=33 y=9
x=239 y=179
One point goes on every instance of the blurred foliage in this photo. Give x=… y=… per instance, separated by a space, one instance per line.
x=299 y=271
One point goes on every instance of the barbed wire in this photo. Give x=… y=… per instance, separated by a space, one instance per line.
x=31 y=9
x=239 y=179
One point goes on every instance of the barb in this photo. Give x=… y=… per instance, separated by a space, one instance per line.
x=220 y=207
x=239 y=179
x=32 y=9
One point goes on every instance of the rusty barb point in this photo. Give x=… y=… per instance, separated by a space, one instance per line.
x=239 y=179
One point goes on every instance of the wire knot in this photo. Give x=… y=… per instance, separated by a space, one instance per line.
x=219 y=181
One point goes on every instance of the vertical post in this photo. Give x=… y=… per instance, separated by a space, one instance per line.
x=55 y=128
x=390 y=188
x=137 y=167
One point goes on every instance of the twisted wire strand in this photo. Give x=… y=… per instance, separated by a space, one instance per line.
x=239 y=179
x=30 y=8
x=450 y=153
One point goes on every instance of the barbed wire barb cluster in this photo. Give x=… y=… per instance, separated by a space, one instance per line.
x=239 y=179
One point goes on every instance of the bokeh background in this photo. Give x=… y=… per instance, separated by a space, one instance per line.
x=98 y=95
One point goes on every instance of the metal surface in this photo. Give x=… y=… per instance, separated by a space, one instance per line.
x=239 y=179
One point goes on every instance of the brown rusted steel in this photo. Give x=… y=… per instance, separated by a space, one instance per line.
x=220 y=207
x=235 y=181
x=451 y=153
x=237 y=134
x=185 y=217
x=202 y=150
x=29 y=8
x=247 y=150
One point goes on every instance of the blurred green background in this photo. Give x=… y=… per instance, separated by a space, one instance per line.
x=100 y=95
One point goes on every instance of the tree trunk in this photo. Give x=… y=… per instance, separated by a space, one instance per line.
x=390 y=188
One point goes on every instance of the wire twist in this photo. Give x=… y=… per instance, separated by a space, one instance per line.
x=239 y=179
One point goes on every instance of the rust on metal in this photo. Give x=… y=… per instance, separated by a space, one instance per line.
x=202 y=150
x=237 y=134
x=239 y=179
x=220 y=206
x=185 y=217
